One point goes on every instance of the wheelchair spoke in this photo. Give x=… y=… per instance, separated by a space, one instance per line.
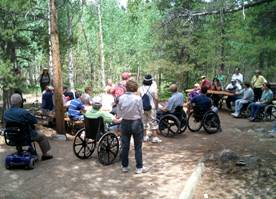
x=80 y=150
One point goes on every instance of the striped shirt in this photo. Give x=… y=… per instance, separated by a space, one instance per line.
x=74 y=108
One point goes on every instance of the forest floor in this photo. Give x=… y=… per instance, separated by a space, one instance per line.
x=170 y=165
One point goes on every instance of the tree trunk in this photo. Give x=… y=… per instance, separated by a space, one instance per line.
x=50 y=61
x=89 y=53
x=70 y=51
x=101 y=45
x=59 y=112
x=222 y=44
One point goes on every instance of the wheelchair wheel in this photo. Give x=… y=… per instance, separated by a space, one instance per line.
x=183 y=125
x=108 y=148
x=83 y=147
x=211 y=122
x=270 y=112
x=31 y=164
x=169 y=125
x=194 y=124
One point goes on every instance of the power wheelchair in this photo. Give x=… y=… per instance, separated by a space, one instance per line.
x=96 y=135
x=171 y=124
x=208 y=119
x=19 y=135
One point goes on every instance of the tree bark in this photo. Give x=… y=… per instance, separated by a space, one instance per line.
x=50 y=61
x=101 y=45
x=59 y=112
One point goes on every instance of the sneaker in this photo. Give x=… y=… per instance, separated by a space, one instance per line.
x=235 y=114
x=146 y=138
x=141 y=170
x=156 y=140
x=124 y=169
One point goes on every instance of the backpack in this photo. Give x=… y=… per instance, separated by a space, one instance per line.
x=146 y=101
x=119 y=90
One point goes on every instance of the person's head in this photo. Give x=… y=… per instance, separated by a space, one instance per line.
x=49 y=88
x=246 y=84
x=125 y=75
x=215 y=80
x=147 y=80
x=196 y=86
x=78 y=94
x=237 y=70
x=204 y=90
x=65 y=89
x=97 y=103
x=45 y=71
x=173 y=88
x=131 y=86
x=16 y=100
x=108 y=89
x=88 y=90
x=233 y=81
x=257 y=72
x=109 y=82
x=266 y=86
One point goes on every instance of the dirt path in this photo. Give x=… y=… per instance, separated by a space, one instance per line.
x=171 y=163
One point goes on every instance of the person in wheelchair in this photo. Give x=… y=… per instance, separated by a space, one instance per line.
x=201 y=104
x=108 y=118
x=176 y=100
x=266 y=99
x=247 y=97
x=19 y=115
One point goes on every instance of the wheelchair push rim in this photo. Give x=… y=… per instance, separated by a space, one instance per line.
x=193 y=124
x=211 y=122
x=169 y=125
x=108 y=148
x=83 y=147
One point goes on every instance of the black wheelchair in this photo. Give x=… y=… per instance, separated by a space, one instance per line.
x=267 y=113
x=19 y=135
x=199 y=117
x=95 y=133
x=171 y=124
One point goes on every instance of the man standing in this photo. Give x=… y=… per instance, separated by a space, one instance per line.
x=237 y=75
x=22 y=116
x=149 y=90
x=257 y=82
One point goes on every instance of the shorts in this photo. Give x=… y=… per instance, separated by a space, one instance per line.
x=149 y=120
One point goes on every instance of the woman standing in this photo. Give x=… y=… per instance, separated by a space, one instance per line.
x=130 y=109
x=44 y=79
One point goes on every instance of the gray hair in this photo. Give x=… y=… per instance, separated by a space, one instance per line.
x=16 y=99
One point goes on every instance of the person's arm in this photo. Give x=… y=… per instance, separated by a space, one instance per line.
x=30 y=118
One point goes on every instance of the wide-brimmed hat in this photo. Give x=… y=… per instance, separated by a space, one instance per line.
x=148 y=78
x=202 y=77
x=50 y=87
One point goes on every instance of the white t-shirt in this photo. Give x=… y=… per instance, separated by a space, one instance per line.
x=238 y=76
x=152 y=93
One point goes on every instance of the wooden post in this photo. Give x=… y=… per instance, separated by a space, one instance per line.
x=59 y=112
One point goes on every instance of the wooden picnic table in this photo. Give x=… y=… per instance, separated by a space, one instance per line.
x=225 y=93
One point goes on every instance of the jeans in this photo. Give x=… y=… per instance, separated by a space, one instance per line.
x=239 y=104
x=136 y=129
x=255 y=109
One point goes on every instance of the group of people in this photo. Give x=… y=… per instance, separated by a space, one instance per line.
x=257 y=92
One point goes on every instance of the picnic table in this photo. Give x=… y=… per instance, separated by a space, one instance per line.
x=224 y=93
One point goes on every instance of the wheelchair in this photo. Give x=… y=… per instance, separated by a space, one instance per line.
x=209 y=120
x=171 y=124
x=267 y=113
x=94 y=135
x=19 y=135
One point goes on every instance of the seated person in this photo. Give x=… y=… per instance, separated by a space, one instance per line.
x=177 y=99
x=233 y=87
x=96 y=113
x=108 y=99
x=47 y=99
x=247 y=97
x=76 y=108
x=216 y=86
x=267 y=96
x=22 y=116
x=204 y=82
x=202 y=103
x=87 y=96
x=195 y=92
x=67 y=96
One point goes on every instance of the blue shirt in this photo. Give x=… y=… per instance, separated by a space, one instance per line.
x=74 y=108
x=47 y=101
x=19 y=115
x=267 y=96
x=202 y=103
x=177 y=99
